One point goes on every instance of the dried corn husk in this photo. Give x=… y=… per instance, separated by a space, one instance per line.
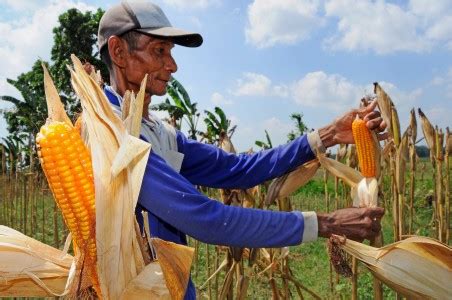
x=417 y=267
x=385 y=105
x=285 y=185
x=119 y=158
x=429 y=132
x=413 y=126
x=364 y=191
x=30 y=268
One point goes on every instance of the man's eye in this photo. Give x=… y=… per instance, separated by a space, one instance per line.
x=160 y=50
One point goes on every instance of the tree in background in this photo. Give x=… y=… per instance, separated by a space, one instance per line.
x=180 y=108
x=76 y=34
x=300 y=127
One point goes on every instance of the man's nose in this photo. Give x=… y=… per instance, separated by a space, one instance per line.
x=170 y=65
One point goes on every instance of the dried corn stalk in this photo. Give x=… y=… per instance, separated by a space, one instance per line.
x=417 y=267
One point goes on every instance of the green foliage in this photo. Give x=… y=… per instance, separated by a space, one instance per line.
x=265 y=145
x=29 y=113
x=76 y=34
x=180 y=108
x=217 y=124
x=422 y=151
x=300 y=127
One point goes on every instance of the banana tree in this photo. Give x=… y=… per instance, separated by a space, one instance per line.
x=218 y=126
x=180 y=108
x=300 y=126
x=265 y=145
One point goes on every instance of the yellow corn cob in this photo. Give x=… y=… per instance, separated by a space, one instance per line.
x=364 y=148
x=67 y=165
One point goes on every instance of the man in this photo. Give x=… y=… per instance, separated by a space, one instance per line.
x=136 y=39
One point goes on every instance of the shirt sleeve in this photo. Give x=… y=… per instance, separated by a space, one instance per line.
x=207 y=165
x=170 y=197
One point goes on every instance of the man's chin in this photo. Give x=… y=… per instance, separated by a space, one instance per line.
x=157 y=93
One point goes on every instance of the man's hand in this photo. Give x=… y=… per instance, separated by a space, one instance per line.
x=355 y=223
x=340 y=131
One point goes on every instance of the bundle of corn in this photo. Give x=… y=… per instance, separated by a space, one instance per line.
x=417 y=267
x=30 y=268
x=113 y=259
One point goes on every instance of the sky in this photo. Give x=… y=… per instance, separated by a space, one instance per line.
x=263 y=60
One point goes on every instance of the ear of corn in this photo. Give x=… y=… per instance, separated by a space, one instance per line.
x=416 y=267
x=67 y=165
x=364 y=147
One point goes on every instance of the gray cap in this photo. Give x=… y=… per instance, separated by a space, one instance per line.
x=145 y=17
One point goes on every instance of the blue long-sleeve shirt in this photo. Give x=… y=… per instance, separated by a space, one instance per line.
x=176 y=208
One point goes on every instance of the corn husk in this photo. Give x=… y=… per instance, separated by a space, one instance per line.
x=417 y=267
x=413 y=126
x=118 y=158
x=429 y=132
x=385 y=105
x=285 y=185
x=30 y=268
x=364 y=191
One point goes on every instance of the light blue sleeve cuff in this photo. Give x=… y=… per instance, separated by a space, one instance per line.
x=311 y=227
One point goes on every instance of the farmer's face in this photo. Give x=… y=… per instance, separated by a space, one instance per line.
x=152 y=56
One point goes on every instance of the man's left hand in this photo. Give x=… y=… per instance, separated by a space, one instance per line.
x=340 y=131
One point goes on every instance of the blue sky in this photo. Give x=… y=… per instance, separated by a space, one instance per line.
x=263 y=60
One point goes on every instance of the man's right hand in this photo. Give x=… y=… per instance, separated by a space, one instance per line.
x=355 y=223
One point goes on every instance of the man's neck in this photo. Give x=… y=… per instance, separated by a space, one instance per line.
x=121 y=90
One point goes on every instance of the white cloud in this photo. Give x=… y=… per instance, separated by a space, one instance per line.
x=379 y=26
x=385 y=27
x=272 y=22
x=330 y=91
x=218 y=99
x=192 y=4
x=253 y=84
x=20 y=5
x=25 y=40
x=276 y=128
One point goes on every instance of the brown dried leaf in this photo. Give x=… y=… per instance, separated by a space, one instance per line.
x=429 y=131
x=175 y=261
x=287 y=184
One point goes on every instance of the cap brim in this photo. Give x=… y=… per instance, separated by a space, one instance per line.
x=178 y=36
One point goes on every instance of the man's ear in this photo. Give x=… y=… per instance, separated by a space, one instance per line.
x=117 y=49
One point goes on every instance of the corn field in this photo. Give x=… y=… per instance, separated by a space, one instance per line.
x=415 y=193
